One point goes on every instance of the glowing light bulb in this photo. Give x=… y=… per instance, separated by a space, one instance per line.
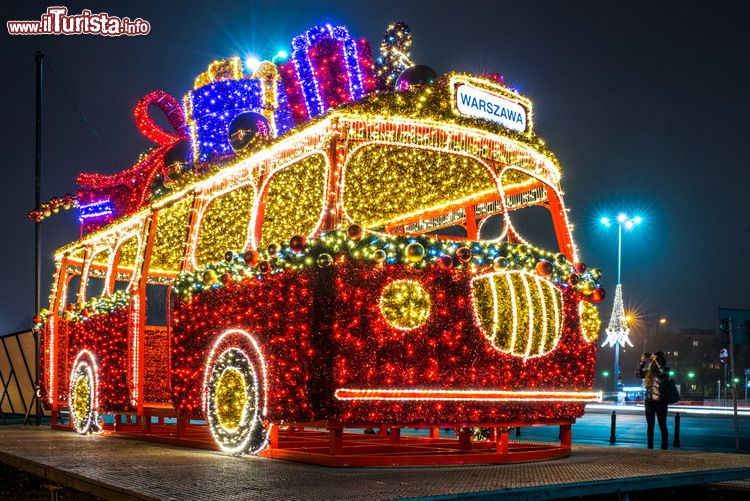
x=605 y=221
x=252 y=63
x=622 y=217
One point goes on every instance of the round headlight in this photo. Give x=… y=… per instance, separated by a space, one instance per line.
x=405 y=304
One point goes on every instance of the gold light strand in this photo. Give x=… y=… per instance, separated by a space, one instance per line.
x=224 y=225
x=384 y=182
x=295 y=200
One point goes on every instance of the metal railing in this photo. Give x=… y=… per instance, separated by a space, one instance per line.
x=17 y=370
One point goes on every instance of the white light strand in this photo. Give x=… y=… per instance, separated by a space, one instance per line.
x=480 y=395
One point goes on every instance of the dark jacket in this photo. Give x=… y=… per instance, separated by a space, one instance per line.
x=658 y=390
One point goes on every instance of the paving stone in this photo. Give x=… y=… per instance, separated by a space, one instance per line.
x=133 y=469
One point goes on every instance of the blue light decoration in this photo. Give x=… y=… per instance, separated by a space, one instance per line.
x=99 y=212
x=327 y=68
x=212 y=108
x=305 y=73
x=283 y=114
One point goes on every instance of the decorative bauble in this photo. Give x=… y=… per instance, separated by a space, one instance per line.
x=596 y=273
x=445 y=262
x=573 y=279
x=416 y=75
x=272 y=250
x=354 y=231
x=580 y=268
x=325 y=260
x=264 y=267
x=178 y=159
x=560 y=258
x=500 y=263
x=79 y=306
x=251 y=257
x=544 y=268
x=297 y=243
x=587 y=288
x=43 y=312
x=414 y=252
x=84 y=312
x=379 y=256
x=186 y=297
x=523 y=249
x=246 y=129
x=597 y=295
x=227 y=278
x=229 y=256
x=67 y=315
x=37 y=319
x=209 y=277
x=463 y=254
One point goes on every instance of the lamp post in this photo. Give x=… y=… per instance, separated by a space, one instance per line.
x=618 y=331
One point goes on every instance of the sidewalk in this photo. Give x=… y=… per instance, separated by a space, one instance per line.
x=114 y=468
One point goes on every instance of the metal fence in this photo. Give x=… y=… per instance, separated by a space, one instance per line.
x=17 y=370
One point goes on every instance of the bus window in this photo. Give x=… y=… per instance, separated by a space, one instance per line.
x=294 y=200
x=156 y=304
x=171 y=233
x=96 y=285
x=74 y=283
x=128 y=252
x=121 y=285
x=492 y=228
x=224 y=225
x=449 y=231
x=526 y=202
x=534 y=224
x=412 y=190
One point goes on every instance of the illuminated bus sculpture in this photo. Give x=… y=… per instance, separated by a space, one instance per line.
x=292 y=229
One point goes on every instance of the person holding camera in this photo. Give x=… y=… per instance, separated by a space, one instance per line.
x=655 y=373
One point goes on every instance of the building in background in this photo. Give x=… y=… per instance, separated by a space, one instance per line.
x=693 y=356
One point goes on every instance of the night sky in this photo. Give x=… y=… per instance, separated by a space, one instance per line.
x=646 y=105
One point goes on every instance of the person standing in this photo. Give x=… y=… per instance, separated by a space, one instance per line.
x=655 y=373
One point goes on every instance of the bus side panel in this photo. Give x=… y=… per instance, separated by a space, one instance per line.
x=278 y=312
x=448 y=352
x=106 y=337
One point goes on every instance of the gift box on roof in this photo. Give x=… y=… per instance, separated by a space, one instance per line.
x=220 y=94
x=327 y=68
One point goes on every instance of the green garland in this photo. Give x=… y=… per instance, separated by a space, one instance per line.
x=354 y=244
x=97 y=306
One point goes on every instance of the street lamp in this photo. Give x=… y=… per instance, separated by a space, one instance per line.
x=618 y=331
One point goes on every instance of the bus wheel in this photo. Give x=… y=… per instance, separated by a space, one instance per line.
x=234 y=402
x=83 y=399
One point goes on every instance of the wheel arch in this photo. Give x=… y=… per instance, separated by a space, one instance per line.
x=86 y=360
x=237 y=338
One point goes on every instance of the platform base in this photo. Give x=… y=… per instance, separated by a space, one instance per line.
x=336 y=446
